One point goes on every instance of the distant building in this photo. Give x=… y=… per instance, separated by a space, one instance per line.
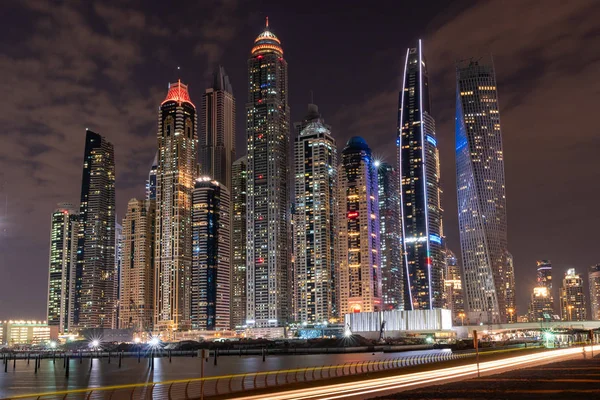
x=509 y=280
x=453 y=289
x=95 y=296
x=238 y=242
x=136 y=305
x=489 y=286
x=594 y=282
x=211 y=261
x=267 y=131
x=572 y=299
x=118 y=265
x=63 y=258
x=177 y=168
x=390 y=226
x=544 y=274
x=14 y=333
x=541 y=307
x=359 y=263
x=216 y=136
x=419 y=170
x=315 y=214
x=151 y=182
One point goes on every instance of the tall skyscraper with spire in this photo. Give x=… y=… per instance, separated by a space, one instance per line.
x=481 y=195
x=95 y=274
x=177 y=166
x=267 y=131
x=315 y=217
x=63 y=256
x=419 y=170
x=359 y=272
x=216 y=137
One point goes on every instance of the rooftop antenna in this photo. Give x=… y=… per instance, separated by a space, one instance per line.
x=267 y=22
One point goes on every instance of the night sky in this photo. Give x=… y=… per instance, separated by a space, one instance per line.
x=105 y=65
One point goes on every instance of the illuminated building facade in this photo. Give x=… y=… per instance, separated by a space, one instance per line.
x=594 y=283
x=238 y=242
x=359 y=274
x=541 y=307
x=544 y=274
x=572 y=297
x=211 y=260
x=315 y=215
x=13 y=333
x=136 y=304
x=509 y=286
x=63 y=258
x=177 y=155
x=419 y=170
x=489 y=286
x=95 y=277
x=267 y=129
x=453 y=289
x=151 y=182
x=216 y=137
x=392 y=273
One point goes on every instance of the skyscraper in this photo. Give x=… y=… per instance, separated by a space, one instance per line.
x=211 y=262
x=238 y=242
x=267 y=129
x=572 y=298
x=177 y=155
x=63 y=257
x=419 y=170
x=481 y=193
x=151 y=182
x=136 y=304
x=594 y=282
x=359 y=273
x=118 y=265
x=217 y=129
x=509 y=287
x=453 y=287
x=392 y=273
x=315 y=214
x=95 y=272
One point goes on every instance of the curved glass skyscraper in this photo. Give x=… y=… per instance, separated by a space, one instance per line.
x=419 y=170
x=488 y=274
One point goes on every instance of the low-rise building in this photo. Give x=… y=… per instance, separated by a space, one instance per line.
x=21 y=332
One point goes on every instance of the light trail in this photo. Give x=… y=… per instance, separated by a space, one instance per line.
x=374 y=386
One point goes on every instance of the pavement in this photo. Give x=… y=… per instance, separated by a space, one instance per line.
x=573 y=379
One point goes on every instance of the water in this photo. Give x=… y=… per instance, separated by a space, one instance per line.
x=51 y=376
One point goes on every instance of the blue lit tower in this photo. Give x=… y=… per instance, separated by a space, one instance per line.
x=267 y=131
x=418 y=167
x=481 y=194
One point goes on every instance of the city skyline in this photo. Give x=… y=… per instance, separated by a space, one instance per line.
x=124 y=179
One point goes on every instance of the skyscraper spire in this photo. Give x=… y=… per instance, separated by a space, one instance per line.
x=267 y=22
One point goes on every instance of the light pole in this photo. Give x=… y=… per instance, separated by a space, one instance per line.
x=510 y=312
x=462 y=319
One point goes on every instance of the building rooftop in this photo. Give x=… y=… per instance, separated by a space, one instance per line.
x=178 y=92
x=267 y=42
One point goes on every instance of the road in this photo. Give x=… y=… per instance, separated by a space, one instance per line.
x=370 y=388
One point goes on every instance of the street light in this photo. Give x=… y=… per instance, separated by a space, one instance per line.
x=510 y=312
x=462 y=318
x=53 y=345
